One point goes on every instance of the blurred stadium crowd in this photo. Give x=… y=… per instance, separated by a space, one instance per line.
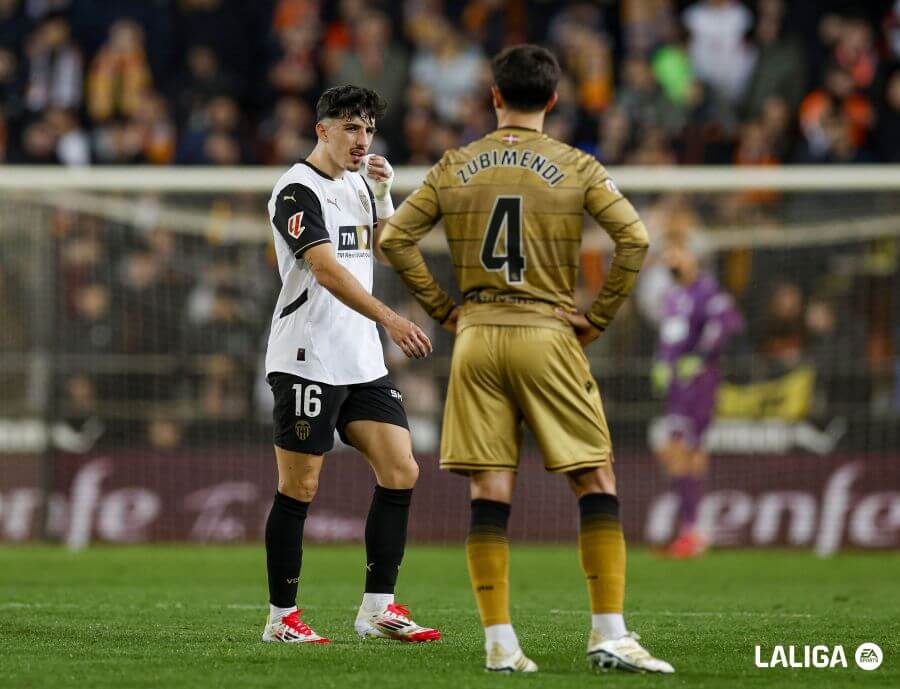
x=226 y=82
x=159 y=331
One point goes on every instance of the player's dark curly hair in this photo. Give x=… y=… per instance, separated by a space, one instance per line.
x=350 y=101
x=526 y=75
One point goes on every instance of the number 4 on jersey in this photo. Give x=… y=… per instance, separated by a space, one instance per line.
x=506 y=217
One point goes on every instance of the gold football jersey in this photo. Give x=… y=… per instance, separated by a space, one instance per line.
x=513 y=208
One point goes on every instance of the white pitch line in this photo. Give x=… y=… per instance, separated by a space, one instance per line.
x=675 y=613
x=29 y=606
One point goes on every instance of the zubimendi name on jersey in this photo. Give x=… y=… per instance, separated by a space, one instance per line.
x=526 y=159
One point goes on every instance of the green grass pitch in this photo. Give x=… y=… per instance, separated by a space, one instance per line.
x=191 y=616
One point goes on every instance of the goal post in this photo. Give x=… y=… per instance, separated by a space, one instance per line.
x=630 y=179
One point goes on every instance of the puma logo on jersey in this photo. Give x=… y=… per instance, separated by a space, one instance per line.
x=286 y=197
x=333 y=202
x=295 y=225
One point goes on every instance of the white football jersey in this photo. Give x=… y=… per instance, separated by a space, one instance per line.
x=314 y=335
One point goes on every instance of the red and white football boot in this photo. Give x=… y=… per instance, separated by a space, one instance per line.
x=292 y=630
x=393 y=622
x=689 y=544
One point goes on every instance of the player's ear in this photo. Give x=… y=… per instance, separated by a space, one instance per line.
x=322 y=131
x=496 y=98
x=552 y=102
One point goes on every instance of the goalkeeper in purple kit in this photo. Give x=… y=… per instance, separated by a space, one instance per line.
x=698 y=319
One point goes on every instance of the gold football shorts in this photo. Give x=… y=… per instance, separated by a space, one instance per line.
x=504 y=376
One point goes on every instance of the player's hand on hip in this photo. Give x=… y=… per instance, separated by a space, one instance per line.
x=584 y=330
x=451 y=320
x=409 y=337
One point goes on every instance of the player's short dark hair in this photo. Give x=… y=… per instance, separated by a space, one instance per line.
x=349 y=101
x=526 y=75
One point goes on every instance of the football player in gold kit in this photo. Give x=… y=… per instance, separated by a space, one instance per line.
x=512 y=205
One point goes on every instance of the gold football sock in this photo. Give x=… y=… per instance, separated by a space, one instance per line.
x=487 y=552
x=601 y=548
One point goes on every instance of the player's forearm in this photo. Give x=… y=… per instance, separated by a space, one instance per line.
x=341 y=283
x=623 y=273
x=620 y=221
x=407 y=259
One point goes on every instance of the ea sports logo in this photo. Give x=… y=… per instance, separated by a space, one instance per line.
x=869 y=656
x=301 y=428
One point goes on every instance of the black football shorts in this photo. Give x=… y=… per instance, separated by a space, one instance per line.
x=308 y=412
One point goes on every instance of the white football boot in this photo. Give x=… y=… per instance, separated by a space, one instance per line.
x=501 y=660
x=624 y=653
x=292 y=630
x=393 y=622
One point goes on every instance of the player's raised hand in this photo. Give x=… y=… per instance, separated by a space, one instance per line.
x=379 y=170
x=584 y=330
x=409 y=337
x=381 y=174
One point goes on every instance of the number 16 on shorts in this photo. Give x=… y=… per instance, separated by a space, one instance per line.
x=308 y=399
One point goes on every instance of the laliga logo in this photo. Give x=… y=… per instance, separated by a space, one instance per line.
x=803 y=656
x=868 y=657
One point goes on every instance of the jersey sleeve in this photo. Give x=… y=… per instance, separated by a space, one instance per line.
x=399 y=242
x=620 y=221
x=299 y=219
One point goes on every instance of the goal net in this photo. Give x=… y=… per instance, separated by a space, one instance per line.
x=135 y=307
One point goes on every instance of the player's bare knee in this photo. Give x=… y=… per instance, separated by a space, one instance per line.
x=489 y=493
x=607 y=476
x=401 y=474
x=409 y=472
x=303 y=489
x=599 y=480
x=492 y=485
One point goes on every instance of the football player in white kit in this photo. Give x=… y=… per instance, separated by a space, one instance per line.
x=326 y=368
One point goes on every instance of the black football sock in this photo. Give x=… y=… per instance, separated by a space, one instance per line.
x=386 y=537
x=284 y=549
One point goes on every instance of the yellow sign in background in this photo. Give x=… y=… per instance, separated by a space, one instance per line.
x=787 y=397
